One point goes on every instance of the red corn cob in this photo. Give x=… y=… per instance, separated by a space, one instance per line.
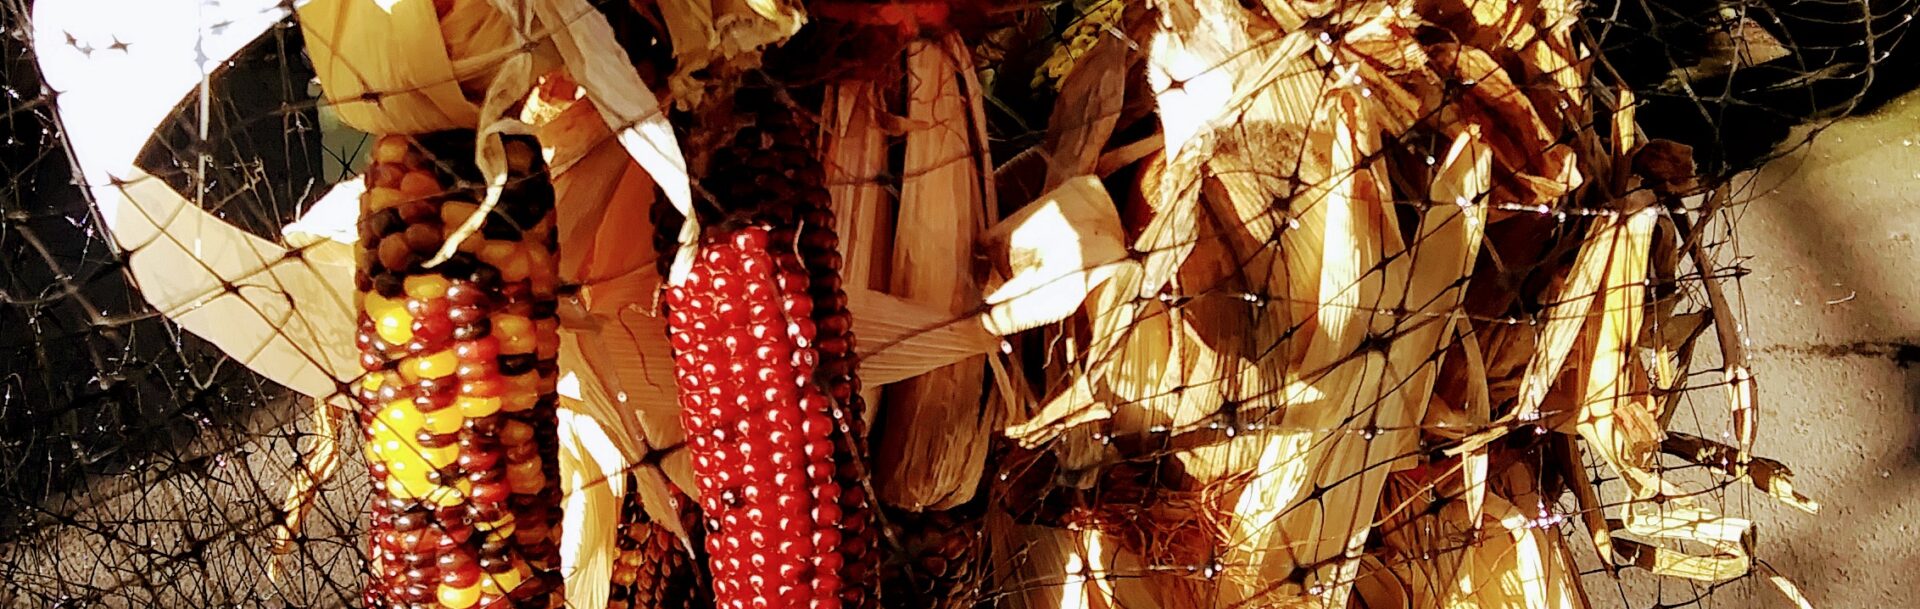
x=764 y=362
x=459 y=396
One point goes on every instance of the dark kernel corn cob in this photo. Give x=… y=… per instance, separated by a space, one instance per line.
x=764 y=361
x=939 y=566
x=651 y=570
x=457 y=405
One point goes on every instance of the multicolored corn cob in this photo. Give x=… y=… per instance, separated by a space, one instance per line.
x=764 y=361
x=459 y=395
x=651 y=570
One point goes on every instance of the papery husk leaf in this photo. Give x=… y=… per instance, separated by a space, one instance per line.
x=1228 y=76
x=1571 y=299
x=1052 y=253
x=1616 y=415
x=855 y=145
x=721 y=36
x=1086 y=111
x=401 y=54
x=593 y=486
x=1535 y=169
x=596 y=60
x=1768 y=475
x=903 y=339
x=933 y=448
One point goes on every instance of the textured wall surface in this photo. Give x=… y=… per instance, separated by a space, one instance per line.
x=1832 y=306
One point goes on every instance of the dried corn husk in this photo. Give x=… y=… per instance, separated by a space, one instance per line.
x=933 y=449
x=722 y=36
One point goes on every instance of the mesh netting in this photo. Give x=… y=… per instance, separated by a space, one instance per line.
x=142 y=465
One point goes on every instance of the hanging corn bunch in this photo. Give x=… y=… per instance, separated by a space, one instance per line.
x=1327 y=304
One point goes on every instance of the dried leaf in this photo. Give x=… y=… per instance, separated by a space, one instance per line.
x=1052 y=253
x=902 y=339
x=934 y=445
x=1085 y=112
x=598 y=62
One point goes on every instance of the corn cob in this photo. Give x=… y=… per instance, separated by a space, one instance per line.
x=457 y=403
x=764 y=363
x=651 y=571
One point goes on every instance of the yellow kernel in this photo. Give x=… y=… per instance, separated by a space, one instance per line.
x=624 y=575
x=505 y=581
x=515 y=267
x=395 y=327
x=515 y=333
x=438 y=365
x=390 y=149
x=407 y=478
x=443 y=421
x=506 y=520
x=455 y=212
x=516 y=401
x=383 y=198
x=419 y=185
x=458 y=598
x=447 y=497
x=515 y=433
x=496 y=253
x=390 y=318
x=371 y=381
x=501 y=532
x=400 y=419
x=426 y=287
x=476 y=407
x=442 y=456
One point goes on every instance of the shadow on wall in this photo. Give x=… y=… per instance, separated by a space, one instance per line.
x=1823 y=221
x=1841 y=58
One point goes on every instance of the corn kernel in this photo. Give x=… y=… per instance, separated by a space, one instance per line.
x=426 y=287
x=515 y=333
x=442 y=456
x=516 y=401
x=516 y=266
x=506 y=520
x=459 y=598
x=419 y=185
x=396 y=327
x=384 y=198
x=441 y=364
x=474 y=408
x=496 y=253
x=443 y=421
x=390 y=149
x=400 y=419
x=505 y=581
x=447 y=497
x=453 y=213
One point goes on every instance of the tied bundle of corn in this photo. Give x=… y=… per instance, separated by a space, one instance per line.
x=1289 y=304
